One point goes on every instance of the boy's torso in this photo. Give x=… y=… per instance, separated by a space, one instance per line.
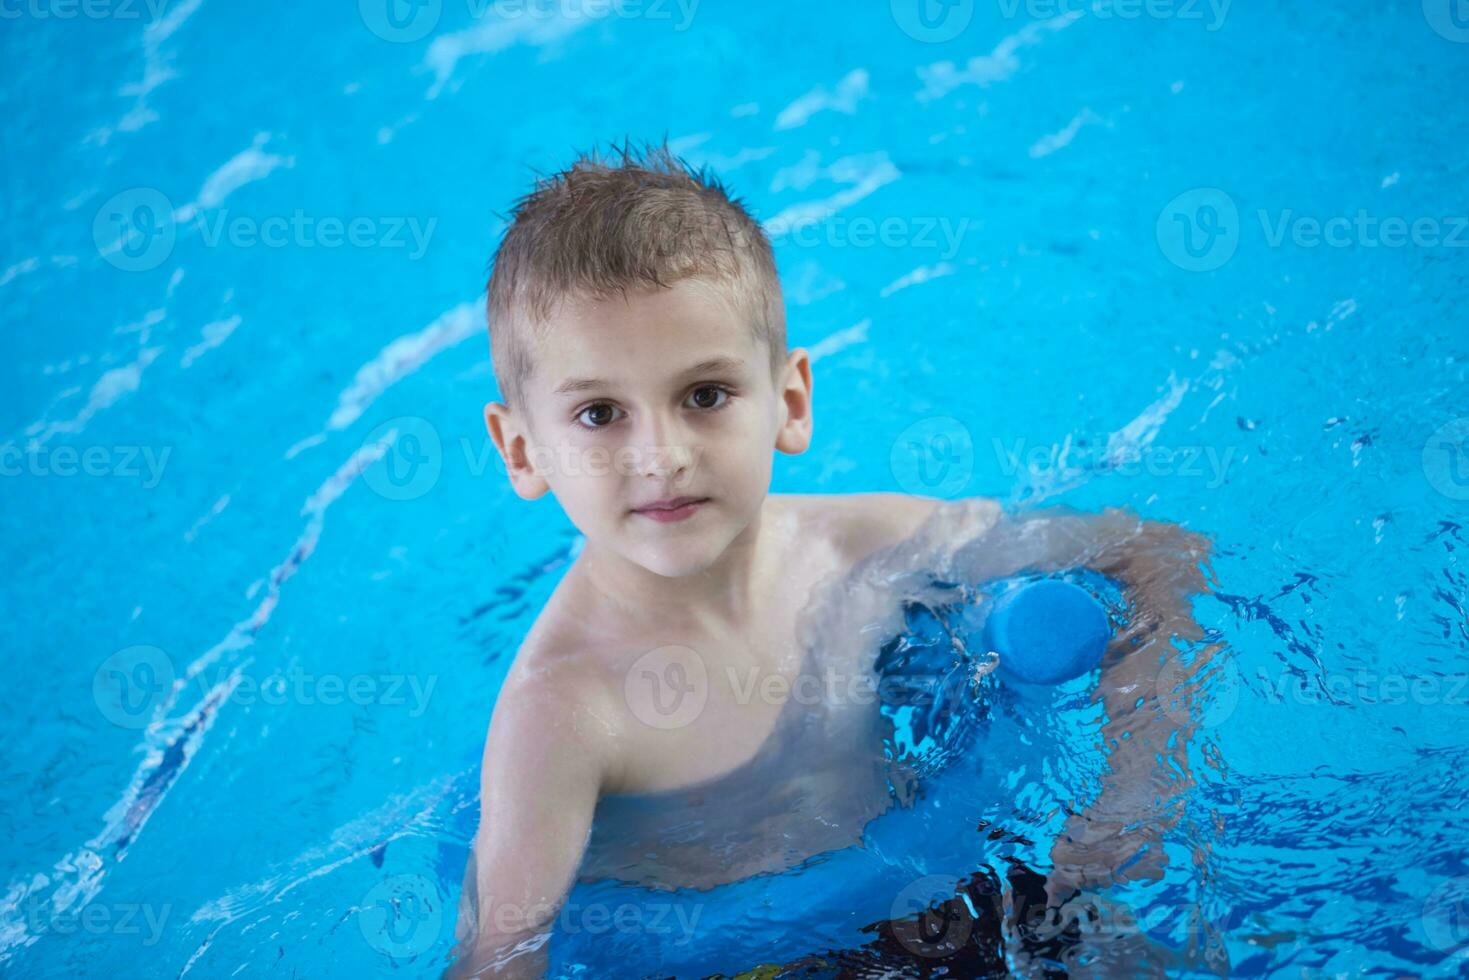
x=747 y=678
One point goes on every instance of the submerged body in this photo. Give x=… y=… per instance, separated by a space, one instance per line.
x=785 y=756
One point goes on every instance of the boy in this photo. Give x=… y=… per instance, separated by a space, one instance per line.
x=638 y=337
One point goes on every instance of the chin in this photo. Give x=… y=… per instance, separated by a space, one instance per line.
x=680 y=555
x=676 y=560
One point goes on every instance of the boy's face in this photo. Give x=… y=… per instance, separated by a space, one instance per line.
x=664 y=395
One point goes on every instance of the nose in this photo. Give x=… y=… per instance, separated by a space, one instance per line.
x=662 y=451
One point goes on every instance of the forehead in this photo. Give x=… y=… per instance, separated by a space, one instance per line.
x=647 y=332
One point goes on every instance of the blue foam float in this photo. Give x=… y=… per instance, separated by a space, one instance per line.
x=1046 y=631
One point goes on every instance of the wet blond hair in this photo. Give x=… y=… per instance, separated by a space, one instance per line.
x=640 y=220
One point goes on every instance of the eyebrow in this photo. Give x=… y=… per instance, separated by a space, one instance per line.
x=712 y=366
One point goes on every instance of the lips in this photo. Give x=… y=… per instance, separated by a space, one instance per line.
x=671 y=509
x=669 y=503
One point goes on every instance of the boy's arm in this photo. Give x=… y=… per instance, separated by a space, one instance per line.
x=542 y=776
x=1159 y=567
x=1149 y=718
x=1149 y=725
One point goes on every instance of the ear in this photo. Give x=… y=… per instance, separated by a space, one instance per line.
x=513 y=443
x=794 y=434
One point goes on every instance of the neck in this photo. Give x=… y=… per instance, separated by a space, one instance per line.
x=718 y=596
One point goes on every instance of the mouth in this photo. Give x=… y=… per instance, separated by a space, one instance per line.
x=672 y=509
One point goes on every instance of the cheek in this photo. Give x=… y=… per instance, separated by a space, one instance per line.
x=745 y=464
x=577 y=464
x=749 y=441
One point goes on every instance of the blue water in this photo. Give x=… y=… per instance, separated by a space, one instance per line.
x=264 y=576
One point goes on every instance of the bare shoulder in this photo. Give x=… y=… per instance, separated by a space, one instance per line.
x=551 y=698
x=864 y=524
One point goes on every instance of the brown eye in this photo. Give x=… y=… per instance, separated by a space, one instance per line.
x=597 y=416
x=709 y=396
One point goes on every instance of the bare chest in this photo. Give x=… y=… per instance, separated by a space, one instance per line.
x=697 y=705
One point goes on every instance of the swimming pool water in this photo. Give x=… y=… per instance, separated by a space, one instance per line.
x=264 y=576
